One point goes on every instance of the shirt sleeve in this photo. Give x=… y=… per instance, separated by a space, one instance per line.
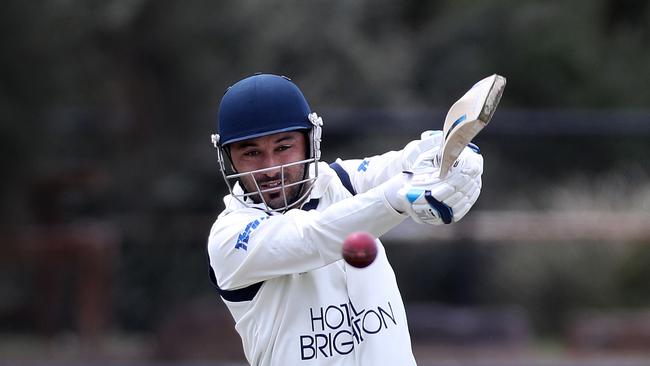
x=373 y=171
x=248 y=246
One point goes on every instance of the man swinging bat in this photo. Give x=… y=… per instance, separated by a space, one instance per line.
x=275 y=251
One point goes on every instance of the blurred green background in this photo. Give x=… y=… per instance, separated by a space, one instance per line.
x=110 y=184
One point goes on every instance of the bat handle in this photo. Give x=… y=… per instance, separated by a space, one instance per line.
x=438 y=160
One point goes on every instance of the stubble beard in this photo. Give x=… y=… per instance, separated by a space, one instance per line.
x=275 y=199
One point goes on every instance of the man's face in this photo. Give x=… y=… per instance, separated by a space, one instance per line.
x=266 y=152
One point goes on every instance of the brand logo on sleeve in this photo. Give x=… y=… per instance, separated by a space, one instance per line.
x=242 y=240
x=336 y=329
x=363 y=166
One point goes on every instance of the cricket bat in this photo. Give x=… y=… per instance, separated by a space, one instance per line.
x=467 y=117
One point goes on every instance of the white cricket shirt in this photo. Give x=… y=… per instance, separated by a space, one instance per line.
x=296 y=302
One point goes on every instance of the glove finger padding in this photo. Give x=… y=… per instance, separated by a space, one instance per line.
x=414 y=153
x=463 y=207
x=471 y=163
x=466 y=198
x=429 y=200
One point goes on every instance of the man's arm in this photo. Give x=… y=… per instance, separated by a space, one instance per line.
x=373 y=171
x=423 y=196
x=248 y=246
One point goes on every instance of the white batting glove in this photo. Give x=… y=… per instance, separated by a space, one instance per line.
x=429 y=200
x=430 y=142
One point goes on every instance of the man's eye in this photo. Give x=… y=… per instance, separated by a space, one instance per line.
x=284 y=147
x=252 y=153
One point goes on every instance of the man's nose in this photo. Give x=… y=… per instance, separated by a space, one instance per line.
x=272 y=162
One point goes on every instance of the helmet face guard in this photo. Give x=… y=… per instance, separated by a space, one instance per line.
x=305 y=185
x=262 y=105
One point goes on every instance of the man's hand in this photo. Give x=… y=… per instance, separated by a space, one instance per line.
x=430 y=200
x=429 y=143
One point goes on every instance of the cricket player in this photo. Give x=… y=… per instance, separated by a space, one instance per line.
x=275 y=251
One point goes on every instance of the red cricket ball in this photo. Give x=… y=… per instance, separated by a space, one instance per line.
x=359 y=249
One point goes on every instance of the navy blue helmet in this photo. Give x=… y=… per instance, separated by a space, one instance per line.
x=261 y=105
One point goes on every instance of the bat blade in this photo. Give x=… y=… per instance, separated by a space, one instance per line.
x=467 y=117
